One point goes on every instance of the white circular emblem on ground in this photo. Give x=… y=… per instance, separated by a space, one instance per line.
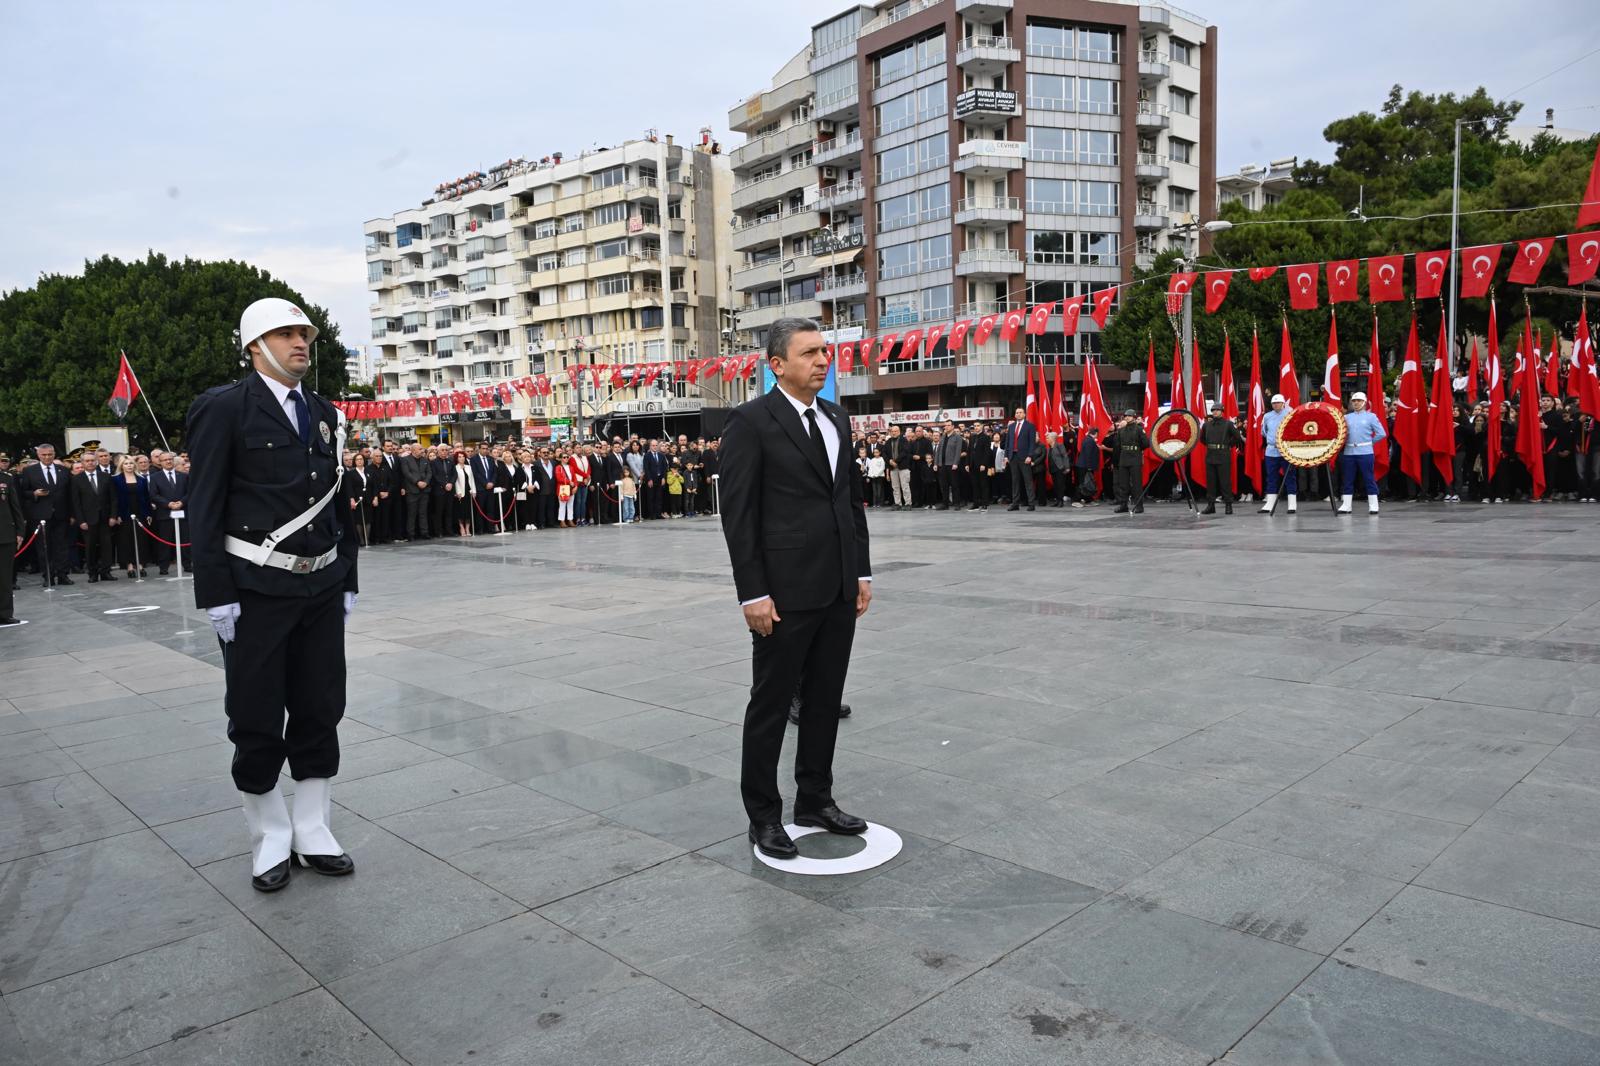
x=131 y=610
x=882 y=844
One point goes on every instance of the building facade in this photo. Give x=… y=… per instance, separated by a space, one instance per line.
x=618 y=256
x=1255 y=185
x=358 y=364
x=929 y=160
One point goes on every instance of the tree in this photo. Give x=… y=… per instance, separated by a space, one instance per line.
x=59 y=343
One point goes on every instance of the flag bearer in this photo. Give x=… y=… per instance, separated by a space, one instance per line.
x=275 y=569
x=1363 y=429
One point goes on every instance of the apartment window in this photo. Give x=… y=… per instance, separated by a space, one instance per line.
x=1180 y=52
x=575 y=256
x=1052 y=41
x=576 y=290
x=1097 y=96
x=932 y=101
x=543 y=194
x=1097 y=197
x=800 y=159
x=610 y=176
x=1043 y=292
x=1049 y=92
x=1097 y=147
x=547 y=262
x=611 y=286
x=897 y=211
x=380 y=327
x=377 y=270
x=836 y=34
x=1180 y=151
x=898 y=162
x=763 y=298
x=898 y=310
x=1049 y=246
x=1097 y=46
x=572 y=187
x=935 y=252
x=935 y=202
x=478 y=280
x=1050 y=144
x=545 y=228
x=896 y=261
x=1181 y=100
x=897 y=113
x=894 y=65
x=444 y=345
x=801 y=289
x=1180 y=200
x=1097 y=249
x=608 y=215
x=936 y=302
x=1050 y=195
x=611 y=249
x=835 y=81
x=572 y=224
x=442 y=321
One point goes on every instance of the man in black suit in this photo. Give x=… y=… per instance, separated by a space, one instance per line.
x=607 y=469
x=796 y=527
x=46 y=490
x=1021 y=445
x=440 y=490
x=545 y=478
x=13 y=531
x=655 y=480
x=169 y=488
x=275 y=572
x=94 y=509
x=483 y=475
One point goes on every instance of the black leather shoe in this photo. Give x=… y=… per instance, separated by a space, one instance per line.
x=844 y=710
x=770 y=839
x=328 y=865
x=93 y=579
x=108 y=576
x=1013 y=507
x=64 y=581
x=1139 y=509
x=1120 y=509
x=273 y=879
x=832 y=819
x=163 y=571
x=1229 y=510
x=10 y=621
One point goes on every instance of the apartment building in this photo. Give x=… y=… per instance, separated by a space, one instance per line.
x=1256 y=185
x=928 y=160
x=617 y=256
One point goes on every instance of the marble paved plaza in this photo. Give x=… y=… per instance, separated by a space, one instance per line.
x=1172 y=792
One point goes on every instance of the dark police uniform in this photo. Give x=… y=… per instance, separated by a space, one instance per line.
x=1220 y=437
x=12 y=526
x=251 y=473
x=1129 y=444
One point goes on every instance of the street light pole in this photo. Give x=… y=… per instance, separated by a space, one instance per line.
x=1448 y=360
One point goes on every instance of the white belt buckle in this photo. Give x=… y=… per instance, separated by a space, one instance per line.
x=303 y=564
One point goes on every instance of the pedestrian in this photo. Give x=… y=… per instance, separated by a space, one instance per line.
x=275 y=571
x=133 y=513
x=94 y=508
x=1060 y=463
x=13 y=534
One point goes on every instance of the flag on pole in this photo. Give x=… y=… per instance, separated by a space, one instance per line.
x=1589 y=210
x=1410 y=398
x=1152 y=408
x=1253 y=444
x=1530 y=430
x=1178 y=397
x=1552 y=367
x=1058 y=414
x=1229 y=393
x=1288 y=379
x=1472 y=374
x=1197 y=401
x=1092 y=404
x=1584 y=371
x=127 y=389
x=1330 y=370
x=1497 y=395
x=1376 y=403
x=1030 y=406
x=1441 y=414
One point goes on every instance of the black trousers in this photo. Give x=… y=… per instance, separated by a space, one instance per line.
x=949 y=486
x=1125 y=483
x=814 y=645
x=98 y=554
x=8 y=604
x=1219 y=482
x=50 y=549
x=439 y=514
x=287 y=658
x=547 y=510
x=980 y=489
x=152 y=550
x=1021 y=481
x=416 y=515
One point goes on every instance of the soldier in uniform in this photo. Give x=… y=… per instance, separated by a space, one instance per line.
x=1221 y=437
x=275 y=570
x=1128 y=443
x=13 y=530
x=1363 y=429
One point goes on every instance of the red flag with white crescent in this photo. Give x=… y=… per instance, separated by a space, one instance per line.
x=1288 y=378
x=1070 y=310
x=847 y=357
x=1584 y=368
x=984 y=328
x=1430 y=273
x=1254 y=444
x=1330 y=370
x=1529 y=260
x=1410 y=403
x=1477 y=269
x=1092 y=404
x=866 y=350
x=1229 y=391
x=910 y=343
x=1178 y=286
x=1583 y=256
x=1010 y=324
x=958 y=334
x=1038 y=319
x=1262 y=273
x=1386 y=278
x=1303 y=286
x=1177 y=397
x=1217 y=289
x=1342 y=276
x=1152 y=407
x=1376 y=404
x=1473 y=370
x=125 y=391
x=1589 y=209
x=931 y=337
x=1102 y=306
x=886 y=345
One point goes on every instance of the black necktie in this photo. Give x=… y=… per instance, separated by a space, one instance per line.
x=302 y=417
x=50 y=475
x=817 y=443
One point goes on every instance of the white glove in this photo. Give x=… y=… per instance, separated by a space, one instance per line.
x=349 y=605
x=222 y=619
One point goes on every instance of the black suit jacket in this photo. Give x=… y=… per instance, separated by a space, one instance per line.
x=163 y=493
x=250 y=475
x=795 y=531
x=56 y=507
x=13 y=522
x=444 y=476
x=93 y=502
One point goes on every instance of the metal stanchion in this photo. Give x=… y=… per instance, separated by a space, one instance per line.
x=500 y=522
x=44 y=549
x=177 y=545
x=618 y=486
x=716 y=503
x=138 y=567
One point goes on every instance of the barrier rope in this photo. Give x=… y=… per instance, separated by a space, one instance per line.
x=163 y=540
x=505 y=511
x=27 y=543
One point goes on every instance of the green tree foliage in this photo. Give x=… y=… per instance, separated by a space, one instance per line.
x=59 y=342
x=1394 y=164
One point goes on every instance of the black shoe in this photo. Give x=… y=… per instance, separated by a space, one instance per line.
x=1121 y=508
x=844 y=710
x=1139 y=509
x=1013 y=507
x=163 y=571
x=1210 y=509
x=1030 y=506
x=832 y=819
x=328 y=865
x=10 y=621
x=1229 y=509
x=770 y=839
x=794 y=710
x=64 y=581
x=273 y=879
x=93 y=578
x=143 y=572
x=108 y=576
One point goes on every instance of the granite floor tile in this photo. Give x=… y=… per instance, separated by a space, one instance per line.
x=1080 y=844
x=310 y=1027
x=1555 y=880
x=1242 y=755
x=1459 y=796
x=57 y=812
x=1154 y=793
x=469 y=734
x=451 y=826
x=410 y=787
x=1385 y=843
x=547 y=864
x=520 y=761
x=615 y=780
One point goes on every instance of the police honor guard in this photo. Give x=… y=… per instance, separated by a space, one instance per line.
x=1363 y=429
x=275 y=570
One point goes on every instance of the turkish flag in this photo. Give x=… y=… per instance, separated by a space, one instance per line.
x=1584 y=369
x=910 y=343
x=1011 y=323
x=1441 y=408
x=1330 y=370
x=1497 y=397
x=1477 y=269
x=1530 y=430
x=847 y=357
x=1288 y=379
x=1430 y=273
x=1229 y=391
x=1583 y=255
x=866 y=350
x=985 y=327
x=1302 y=279
x=958 y=334
x=1342 y=281
x=1070 y=312
x=1472 y=374
x=1375 y=402
x=1386 y=278
x=1197 y=404
x=1178 y=286
x=1102 y=306
x=125 y=392
x=1254 y=442
x=1091 y=404
x=1177 y=399
x=886 y=345
x=1531 y=255
x=1262 y=273
x=1410 y=403
x=1152 y=408
x=1552 y=366
x=930 y=339
x=1038 y=319
x=1589 y=210
x=1217 y=289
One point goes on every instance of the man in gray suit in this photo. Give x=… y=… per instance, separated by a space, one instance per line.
x=417 y=475
x=947 y=459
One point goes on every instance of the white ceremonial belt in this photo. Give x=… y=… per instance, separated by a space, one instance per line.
x=295 y=564
x=1359 y=446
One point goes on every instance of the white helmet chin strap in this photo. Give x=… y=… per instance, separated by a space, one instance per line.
x=261 y=342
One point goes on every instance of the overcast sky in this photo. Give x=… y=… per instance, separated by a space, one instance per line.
x=270 y=131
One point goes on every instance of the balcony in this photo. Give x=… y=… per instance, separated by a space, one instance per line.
x=1154 y=17
x=1151 y=116
x=1150 y=168
x=985 y=55
x=841 y=103
x=1153 y=66
x=898 y=12
x=987 y=107
x=749 y=113
x=758 y=317
x=989 y=212
x=770 y=228
x=1147 y=215
x=780 y=143
x=989 y=159
x=772 y=187
x=1144 y=260
x=979 y=308
x=835 y=196
x=842 y=286
x=836 y=149
x=988 y=263
x=983 y=10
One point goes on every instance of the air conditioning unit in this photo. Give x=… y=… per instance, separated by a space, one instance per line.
x=830 y=173
x=687 y=180
x=825 y=126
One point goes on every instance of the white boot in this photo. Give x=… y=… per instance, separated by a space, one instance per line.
x=1291 y=503
x=1344 y=507
x=270 y=831
x=1268 y=502
x=1372 y=505
x=313 y=806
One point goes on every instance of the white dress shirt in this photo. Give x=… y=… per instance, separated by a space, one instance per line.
x=280 y=392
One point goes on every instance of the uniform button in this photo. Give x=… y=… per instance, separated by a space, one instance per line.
x=313 y=475
x=269 y=444
x=308 y=529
